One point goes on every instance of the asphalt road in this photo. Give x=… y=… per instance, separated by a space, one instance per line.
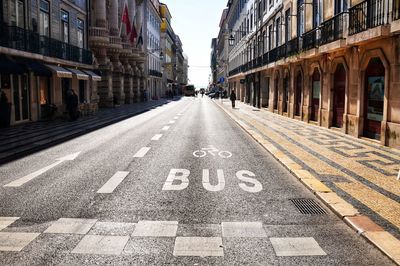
x=213 y=196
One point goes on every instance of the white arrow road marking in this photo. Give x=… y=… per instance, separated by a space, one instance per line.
x=141 y=153
x=113 y=183
x=157 y=137
x=21 y=181
x=165 y=128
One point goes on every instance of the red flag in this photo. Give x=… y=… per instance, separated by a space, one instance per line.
x=133 y=35
x=126 y=20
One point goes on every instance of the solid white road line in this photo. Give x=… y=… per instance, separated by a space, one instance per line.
x=113 y=183
x=165 y=128
x=21 y=181
x=157 y=137
x=142 y=152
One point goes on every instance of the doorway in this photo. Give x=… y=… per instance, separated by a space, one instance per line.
x=299 y=89
x=276 y=91
x=339 y=91
x=285 y=96
x=374 y=94
x=315 y=94
x=20 y=97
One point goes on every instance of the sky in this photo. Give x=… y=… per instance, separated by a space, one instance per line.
x=196 y=22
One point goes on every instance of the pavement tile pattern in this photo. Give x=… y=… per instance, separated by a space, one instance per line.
x=335 y=166
x=363 y=172
x=152 y=237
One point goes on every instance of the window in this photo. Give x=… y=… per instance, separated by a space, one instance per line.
x=64 y=26
x=340 y=6
x=44 y=17
x=17 y=13
x=81 y=31
x=300 y=18
x=270 y=37
x=288 y=25
x=317 y=13
x=277 y=31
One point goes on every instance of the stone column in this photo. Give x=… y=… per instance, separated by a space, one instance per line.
x=100 y=13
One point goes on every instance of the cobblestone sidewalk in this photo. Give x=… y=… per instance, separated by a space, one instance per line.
x=330 y=163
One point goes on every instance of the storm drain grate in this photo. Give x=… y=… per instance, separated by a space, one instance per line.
x=308 y=206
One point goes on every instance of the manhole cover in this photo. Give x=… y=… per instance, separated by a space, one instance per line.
x=308 y=206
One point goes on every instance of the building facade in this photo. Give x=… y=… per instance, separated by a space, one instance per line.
x=120 y=58
x=169 y=48
x=153 y=49
x=222 y=52
x=213 y=78
x=181 y=73
x=330 y=63
x=44 y=53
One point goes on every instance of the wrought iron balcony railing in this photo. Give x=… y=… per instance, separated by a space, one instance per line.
x=368 y=14
x=310 y=39
x=29 y=41
x=292 y=47
x=333 y=29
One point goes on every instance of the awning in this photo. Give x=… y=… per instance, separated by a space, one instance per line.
x=38 y=69
x=7 y=66
x=60 y=72
x=93 y=75
x=79 y=74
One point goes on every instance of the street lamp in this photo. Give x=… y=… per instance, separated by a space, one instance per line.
x=231 y=38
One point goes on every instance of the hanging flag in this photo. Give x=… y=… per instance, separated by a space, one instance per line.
x=133 y=34
x=126 y=20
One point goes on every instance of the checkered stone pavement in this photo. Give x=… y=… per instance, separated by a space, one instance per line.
x=153 y=237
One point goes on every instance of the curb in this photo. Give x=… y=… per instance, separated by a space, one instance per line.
x=364 y=226
x=83 y=131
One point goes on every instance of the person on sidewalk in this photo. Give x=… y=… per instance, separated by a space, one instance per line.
x=5 y=110
x=72 y=105
x=233 y=99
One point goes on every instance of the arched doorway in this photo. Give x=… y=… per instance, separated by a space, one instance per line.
x=339 y=91
x=297 y=95
x=374 y=93
x=285 y=96
x=276 y=90
x=315 y=94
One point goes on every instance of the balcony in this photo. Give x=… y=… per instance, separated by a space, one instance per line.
x=333 y=29
x=368 y=14
x=28 y=41
x=292 y=47
x=155 y=73
x=310 y=39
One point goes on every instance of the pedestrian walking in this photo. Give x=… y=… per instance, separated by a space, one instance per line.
x=72 y=105
x=5 y=110
x=233 y=98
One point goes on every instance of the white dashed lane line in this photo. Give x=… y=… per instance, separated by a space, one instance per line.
x=157 y=137
x=165 y=128
x=171 y=122
x=142 y=152
x=113 y=183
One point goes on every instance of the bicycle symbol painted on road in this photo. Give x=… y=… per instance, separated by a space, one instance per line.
x=212 y=151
